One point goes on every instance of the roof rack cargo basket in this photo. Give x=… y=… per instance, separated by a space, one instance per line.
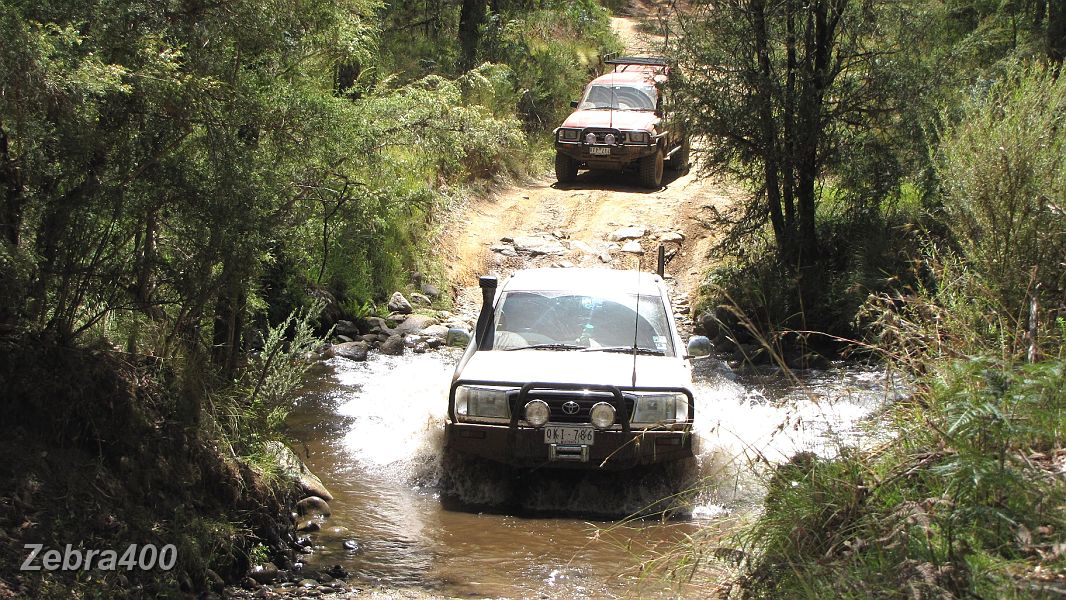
x=654 y=61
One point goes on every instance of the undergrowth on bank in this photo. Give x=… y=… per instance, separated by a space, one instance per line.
x=966 y=494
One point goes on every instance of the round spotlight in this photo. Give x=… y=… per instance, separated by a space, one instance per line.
x=609 y=139
x=537 y=412
x=602 y=415
x=590 y=138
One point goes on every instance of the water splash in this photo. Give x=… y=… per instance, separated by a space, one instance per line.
x=397 y=408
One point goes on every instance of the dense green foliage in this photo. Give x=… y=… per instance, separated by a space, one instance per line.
x=182 y=182
x=954 y=273
x=899 y=74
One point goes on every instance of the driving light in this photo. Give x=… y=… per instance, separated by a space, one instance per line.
x=609 y=139
x=601 y=415
x=537 y=412
x=654 y=409
x=590 y=138
x=481 y=403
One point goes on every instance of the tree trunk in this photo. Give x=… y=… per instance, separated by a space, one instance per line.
x=1056 y=31
x=11 y=182
x=788 y=168
x=769 y=130
x=228 y=322
x=471 y=16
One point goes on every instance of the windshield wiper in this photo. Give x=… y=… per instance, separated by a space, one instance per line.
x=548 y=347
x=627 y=350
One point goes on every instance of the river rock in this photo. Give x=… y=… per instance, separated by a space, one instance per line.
x=420 y=299
x=264 y=573
x=537 y=246
x=343 y=339
x=632 y=247
x=379 y=325
x=627 y=233
x=435 y=331
x=215 y=581
x=309 y=526
x=347 y=328
x=337 y=571
x=582 y=247
x=331 y=310
x=672 y=236
x=313 y=505
x=351 y=350
x=605 y=257
x=307 y=583
x=369 y=338
x=291 y=466
x=431 y=290
x=457 y=337
x=351 y=545
x=415 y=324
x=392 y=346
x=399 y=304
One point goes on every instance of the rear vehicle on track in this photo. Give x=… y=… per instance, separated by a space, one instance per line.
x=578 y=368
x=623 y=121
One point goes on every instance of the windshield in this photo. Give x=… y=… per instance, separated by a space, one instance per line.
x=619 y=97
x=565 y=320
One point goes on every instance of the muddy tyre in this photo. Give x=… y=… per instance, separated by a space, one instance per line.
x=565 y=168
x=679 y=161
x=651 y=171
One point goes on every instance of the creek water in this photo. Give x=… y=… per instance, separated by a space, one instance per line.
x=373 y=432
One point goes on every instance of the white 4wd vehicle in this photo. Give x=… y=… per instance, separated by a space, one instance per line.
x=573 y=368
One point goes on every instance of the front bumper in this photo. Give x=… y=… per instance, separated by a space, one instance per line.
x=620 y=155
x=525 y=447
x=518 y=444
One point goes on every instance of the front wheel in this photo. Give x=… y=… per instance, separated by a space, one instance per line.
x=651 y=170
x=565 y=168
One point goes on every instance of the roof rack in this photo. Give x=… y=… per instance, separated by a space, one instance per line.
x=655 y=61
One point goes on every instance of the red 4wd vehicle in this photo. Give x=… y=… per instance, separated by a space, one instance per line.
x=621 y=121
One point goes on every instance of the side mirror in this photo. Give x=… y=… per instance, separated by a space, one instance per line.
x=699 y=345
x=574 y=103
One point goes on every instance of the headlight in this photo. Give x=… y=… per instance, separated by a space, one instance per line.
x=601 y=415
x=569 y=135
x=652 y=409
x=537 y=412
x=590 y=139
x=609 y=139
x=481 y=403
x=638 y=137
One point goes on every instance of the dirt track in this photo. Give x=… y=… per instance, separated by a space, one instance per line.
x=574 y=222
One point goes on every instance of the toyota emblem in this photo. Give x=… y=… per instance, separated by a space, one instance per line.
x=571 y=408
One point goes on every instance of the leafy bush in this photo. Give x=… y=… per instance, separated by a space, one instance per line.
x=965 y=501
x=861 y=253
x=553 y=52
x=1003 y=168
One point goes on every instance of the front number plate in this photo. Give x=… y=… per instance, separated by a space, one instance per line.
x=569 y=435
x=600 y=150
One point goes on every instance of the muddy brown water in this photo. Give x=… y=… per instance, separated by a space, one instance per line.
x=373 y=432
